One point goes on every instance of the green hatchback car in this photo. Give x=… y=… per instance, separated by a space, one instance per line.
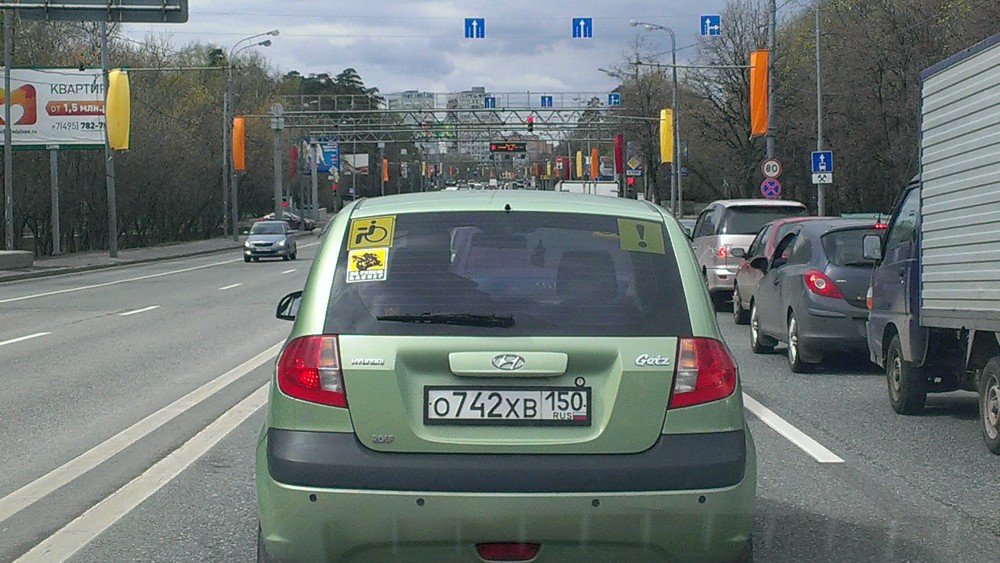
x=504 y=376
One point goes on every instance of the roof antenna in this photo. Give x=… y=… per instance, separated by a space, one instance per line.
x=507 y=208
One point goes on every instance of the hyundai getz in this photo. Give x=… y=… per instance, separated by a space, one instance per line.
x=504 y=376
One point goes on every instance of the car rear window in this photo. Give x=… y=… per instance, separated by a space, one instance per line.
x=748 y=220
x=507 y=274
x=845 y=247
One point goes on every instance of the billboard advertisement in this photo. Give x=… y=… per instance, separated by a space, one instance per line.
x=355 y=163
x=56 y=106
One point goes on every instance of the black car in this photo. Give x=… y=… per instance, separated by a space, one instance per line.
x=294 y=221
x=812 y=293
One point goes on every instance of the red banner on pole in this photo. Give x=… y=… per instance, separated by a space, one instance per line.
x=619 y=153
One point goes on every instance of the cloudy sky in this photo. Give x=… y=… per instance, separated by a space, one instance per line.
x=419 y=44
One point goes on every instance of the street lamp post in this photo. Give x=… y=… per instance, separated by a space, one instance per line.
x=676 y=191
x=229 y=185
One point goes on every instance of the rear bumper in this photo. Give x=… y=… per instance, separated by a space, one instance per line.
x=825 y=330
x=721 y=279
x=433 y=521
x=340 y=461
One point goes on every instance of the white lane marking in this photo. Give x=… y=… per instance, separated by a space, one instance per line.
x=23 y=338
x=137 y=311
x=69 y=471
x=81 y=531
x=116 y=282
x=791 y=433
x=288 y=271
x=230 y=286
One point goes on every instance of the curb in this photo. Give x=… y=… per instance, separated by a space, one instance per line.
x=92 y=267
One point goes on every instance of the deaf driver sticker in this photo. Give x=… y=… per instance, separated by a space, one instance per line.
x=367 y=265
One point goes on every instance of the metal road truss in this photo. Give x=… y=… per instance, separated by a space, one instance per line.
x=348 y=123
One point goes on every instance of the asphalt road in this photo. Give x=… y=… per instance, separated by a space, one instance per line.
x=111 y=452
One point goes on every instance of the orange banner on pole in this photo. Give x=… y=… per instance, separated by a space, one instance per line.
x=385 y=169
x=239 y=144
x=758 y=92
x=595 y=169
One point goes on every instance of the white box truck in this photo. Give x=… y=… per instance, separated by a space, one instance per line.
x=934 y=324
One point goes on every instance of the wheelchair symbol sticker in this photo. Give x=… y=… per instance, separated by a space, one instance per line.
x=371 y=232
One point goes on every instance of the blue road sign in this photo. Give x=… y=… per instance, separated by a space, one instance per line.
x=490 y=102
x=822 y=161
x=583 y=27
x=614 y=99
x=546 y=101
x=475 y=28
x=770 y=188
x=711 y=25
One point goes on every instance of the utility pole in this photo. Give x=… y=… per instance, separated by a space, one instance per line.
x=109 y=155
x=226 y=132
x=820 y=196
x=771 y=41
x=8 y=152
x=277 y=124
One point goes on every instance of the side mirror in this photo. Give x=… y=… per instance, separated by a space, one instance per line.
x=288 y=307
x=738 y=252
x=759 y=263
x=872 y=247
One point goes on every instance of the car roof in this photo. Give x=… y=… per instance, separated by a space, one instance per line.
x=496 y=200
x=835 y=223
x=270 y=222
x=727 y=203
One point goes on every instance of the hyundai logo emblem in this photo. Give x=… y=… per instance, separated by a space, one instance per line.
x=508 y=362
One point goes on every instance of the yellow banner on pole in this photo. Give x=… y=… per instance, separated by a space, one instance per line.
x=118 y=112
x=666 y=136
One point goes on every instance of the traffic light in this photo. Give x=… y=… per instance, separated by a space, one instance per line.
x=531 y=123
x=630 y=180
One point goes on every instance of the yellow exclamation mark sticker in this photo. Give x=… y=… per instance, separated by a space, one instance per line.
x=641 y=236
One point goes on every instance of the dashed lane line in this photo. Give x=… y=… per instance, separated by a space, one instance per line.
x=71 y=470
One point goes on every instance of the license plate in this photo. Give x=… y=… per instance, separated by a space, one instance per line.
x=507 y=406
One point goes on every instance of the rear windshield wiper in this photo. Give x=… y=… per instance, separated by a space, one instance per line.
x=463 y=319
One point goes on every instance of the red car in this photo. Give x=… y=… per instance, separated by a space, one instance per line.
x=746 y=277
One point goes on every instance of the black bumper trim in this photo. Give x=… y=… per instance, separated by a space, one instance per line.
x=340 y=461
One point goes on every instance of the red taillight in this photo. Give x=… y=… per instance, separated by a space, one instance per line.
x=705 y=372
x=868 y=299
x=506 y=551
x=309 y=369
x=820 y=284
x=722 y=252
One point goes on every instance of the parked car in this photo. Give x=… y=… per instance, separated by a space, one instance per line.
x=294 y=221
x=812 y=297
x=270 y=239
x=473 y=377
x=746 y=278
x=727 y=224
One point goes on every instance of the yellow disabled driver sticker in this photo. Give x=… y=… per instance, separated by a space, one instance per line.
x=641 y=236
x=367 y=265
x=371 y=232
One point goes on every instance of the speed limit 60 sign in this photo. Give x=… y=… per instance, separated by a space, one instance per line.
x=771 y=168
